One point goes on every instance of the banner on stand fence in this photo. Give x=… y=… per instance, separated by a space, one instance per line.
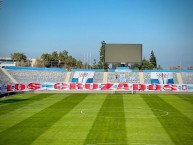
x=95 y=86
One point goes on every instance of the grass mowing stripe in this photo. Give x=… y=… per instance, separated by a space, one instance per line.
x=27 y=131
x=143 y=127
x=73 y=128
x=16 y=103
x=109 y=126
x=12 y=118
x=181 y=105
x=178 y=126
x=187 y=97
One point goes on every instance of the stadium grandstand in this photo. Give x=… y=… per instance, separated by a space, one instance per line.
x=49 y=76
x=42 y=75
x=17 y=78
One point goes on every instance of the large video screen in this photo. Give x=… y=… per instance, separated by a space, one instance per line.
x=126 y=53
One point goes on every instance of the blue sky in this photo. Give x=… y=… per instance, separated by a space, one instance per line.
x=34 y=27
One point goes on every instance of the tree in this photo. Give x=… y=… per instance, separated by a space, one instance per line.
x=102 y=63
x=94 y=65
x=146 y=64
x=54 y=59
x=54 y=56
x=102 y=52
x=71 y=62
x=18 y=56
x=79 y=64
x=152 y=59
x=135 y=66
x=60 y=59
x=62 y=56
x=46 y=58
x=23 y=63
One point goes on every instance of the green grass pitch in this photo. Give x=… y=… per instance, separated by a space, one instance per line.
x=96 y=119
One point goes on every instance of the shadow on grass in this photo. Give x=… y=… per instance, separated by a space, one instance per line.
x=12 y=101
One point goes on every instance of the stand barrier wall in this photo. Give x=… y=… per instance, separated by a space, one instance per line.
x=5 y=88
